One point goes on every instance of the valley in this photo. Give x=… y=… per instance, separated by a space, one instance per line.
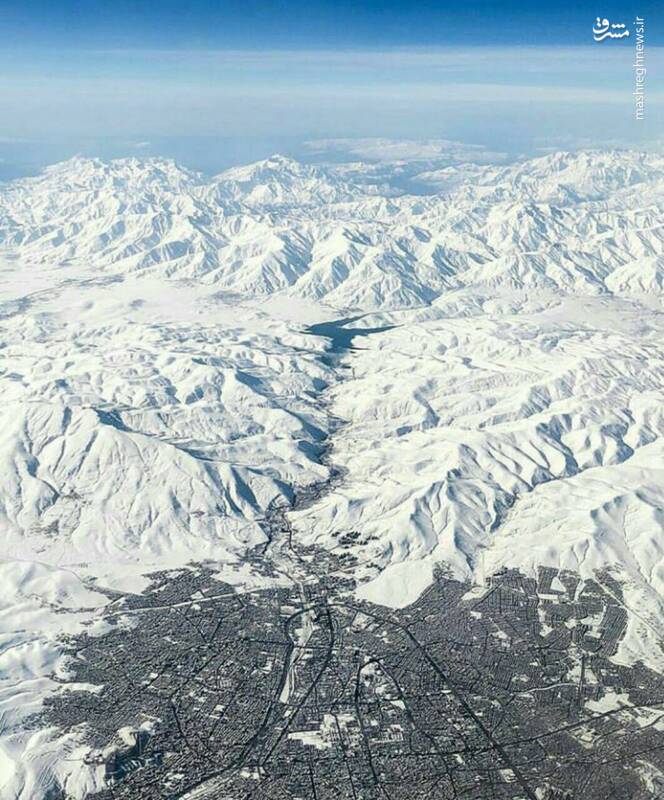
x=374 y=475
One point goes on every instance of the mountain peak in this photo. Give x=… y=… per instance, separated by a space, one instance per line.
x=324 y=233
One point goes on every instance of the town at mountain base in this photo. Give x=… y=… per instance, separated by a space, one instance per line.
x=162 y=393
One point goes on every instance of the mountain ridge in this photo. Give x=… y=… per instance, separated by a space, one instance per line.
x=164 y=392
x=278 y=226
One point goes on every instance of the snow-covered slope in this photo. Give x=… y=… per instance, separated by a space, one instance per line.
x=175 y=427
x=501 y=439
x=160 y=392
x=139 y=429
x=583 y=223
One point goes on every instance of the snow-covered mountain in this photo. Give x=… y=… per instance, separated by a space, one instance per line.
x=586 y=223
x=160 y=391
x=507 y=439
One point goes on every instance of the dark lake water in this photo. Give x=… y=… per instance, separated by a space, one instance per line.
x=339 y=335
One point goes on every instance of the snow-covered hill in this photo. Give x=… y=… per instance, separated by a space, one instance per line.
x=160 y=391
x=172 y=433
x=507 y=438
x=583 y=223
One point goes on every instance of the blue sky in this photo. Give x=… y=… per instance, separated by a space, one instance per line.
x=217 y=83
x=287 y=24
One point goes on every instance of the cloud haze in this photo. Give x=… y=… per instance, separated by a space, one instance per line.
x=505 y=98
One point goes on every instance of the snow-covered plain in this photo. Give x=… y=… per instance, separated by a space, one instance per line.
x=159 y=390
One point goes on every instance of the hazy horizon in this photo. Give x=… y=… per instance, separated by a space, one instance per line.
x=215 y=85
